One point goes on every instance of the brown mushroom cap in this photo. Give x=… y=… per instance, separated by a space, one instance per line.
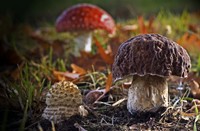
x=85 y=17
x=151 y=54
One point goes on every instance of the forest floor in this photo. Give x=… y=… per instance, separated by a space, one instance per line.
x=34 y=59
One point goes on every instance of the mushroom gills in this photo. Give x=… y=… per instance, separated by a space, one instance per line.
x=147 y=94
x=83 y=42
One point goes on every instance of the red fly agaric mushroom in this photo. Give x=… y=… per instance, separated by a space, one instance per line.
x=149 y=59
x=84 y=18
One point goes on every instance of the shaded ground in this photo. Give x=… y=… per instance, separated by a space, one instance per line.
x=111 y=118
x=104 y=117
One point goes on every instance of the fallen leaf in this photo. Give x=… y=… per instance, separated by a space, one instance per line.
x=191 y=42
x=78 y=69
x=142 y=26
x=65 y=75
x=108 y=86
x=195 y=90
x=150 y=25
x=144 y=29
x=107 y=57
x=193 y=28
x=108 y=83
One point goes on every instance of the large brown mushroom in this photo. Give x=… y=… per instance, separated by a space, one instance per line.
x=149 y=59
x=84 y=18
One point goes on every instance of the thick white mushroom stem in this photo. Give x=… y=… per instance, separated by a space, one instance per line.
x=147 y=94
x=83 y=42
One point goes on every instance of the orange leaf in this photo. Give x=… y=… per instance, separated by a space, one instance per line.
x=78 y=69
x=191 y=42
x=195 y=90
x=142 y=26
x=108 y=82
x=192 y=38
x=150 y=24
x=108 y=86
x=106 y=57
x=65 y=75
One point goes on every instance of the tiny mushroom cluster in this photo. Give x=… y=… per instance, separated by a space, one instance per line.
x=149 y=59
x=63 y=100
x=83 y=19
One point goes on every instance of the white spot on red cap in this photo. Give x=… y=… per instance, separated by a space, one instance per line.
x=82 y=13
x=73 y=18
x=81 y=19
x=104 y=17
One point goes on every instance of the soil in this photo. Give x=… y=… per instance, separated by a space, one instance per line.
x=116 y=119
x=104 y=117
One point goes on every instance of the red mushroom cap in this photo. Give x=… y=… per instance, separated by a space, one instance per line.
x=85 y=17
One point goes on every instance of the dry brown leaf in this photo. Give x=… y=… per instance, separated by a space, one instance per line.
x=193 y=28
x=65 y=75
x=108 y=83
x=191 y=42
x=107 y=57
x=150 y=25
x=144 y=29
x=108 y=86
x=78 y=69
x=195 y=90
x=142 y=26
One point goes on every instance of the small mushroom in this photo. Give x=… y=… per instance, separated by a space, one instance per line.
x=149 y=59
x=84 y=18
x=63 y=100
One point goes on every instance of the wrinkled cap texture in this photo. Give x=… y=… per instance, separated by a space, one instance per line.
x=85 y=17
x=151 y=54
x=62 y=100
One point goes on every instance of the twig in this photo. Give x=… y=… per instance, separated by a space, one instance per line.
x=53 y=126
x=91 y=111
x=40 y=127
x=80 y=128
x=119 y=101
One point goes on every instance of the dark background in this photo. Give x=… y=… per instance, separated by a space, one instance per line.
x=48 y=10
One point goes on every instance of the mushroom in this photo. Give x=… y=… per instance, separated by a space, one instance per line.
x=63 y=100
x=84 y=18
x=149 y=60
